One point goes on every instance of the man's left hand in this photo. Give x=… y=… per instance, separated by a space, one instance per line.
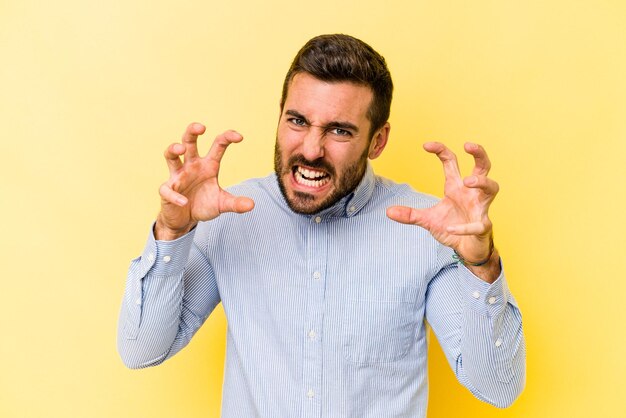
x=461 y=219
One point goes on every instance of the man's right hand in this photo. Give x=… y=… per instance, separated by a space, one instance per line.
x=192 y=193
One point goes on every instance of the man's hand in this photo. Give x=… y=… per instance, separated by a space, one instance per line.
x=192 y=193
x=460 y=220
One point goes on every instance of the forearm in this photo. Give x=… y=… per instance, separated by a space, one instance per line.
x=149 y=320
x=491 y=363
x=156 y=318
x=480 y=329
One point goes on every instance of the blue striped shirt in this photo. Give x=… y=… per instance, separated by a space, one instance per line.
x=326 y=313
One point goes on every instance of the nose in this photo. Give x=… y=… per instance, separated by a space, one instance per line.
x=313 y=144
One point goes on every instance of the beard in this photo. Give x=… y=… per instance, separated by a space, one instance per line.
x=304 y=203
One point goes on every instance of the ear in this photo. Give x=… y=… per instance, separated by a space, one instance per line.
x=377 y=145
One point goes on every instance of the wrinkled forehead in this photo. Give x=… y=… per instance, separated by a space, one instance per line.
x=327 y=101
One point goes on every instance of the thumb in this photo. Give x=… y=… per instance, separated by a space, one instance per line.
x=406 y=215
x=238 y=204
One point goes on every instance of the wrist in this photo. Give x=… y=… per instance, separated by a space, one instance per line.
x=479 y=263
x=489 y=271
x=164 y=233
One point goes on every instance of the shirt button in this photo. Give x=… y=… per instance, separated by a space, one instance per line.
x=476 y=295
x=351 y=209
x=138 y=301
x=151 y=256
x=167 y=258
x=492 y=300
x=498 y=342
x=312 y=335
x=318 y=219
x=317 y=275
x=310 y=394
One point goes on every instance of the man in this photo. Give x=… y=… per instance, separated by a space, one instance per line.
x=325 y=295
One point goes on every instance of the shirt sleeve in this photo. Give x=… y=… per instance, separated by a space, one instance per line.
x=479 y=327
x=170 y=292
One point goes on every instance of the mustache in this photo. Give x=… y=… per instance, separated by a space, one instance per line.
x=319 y=163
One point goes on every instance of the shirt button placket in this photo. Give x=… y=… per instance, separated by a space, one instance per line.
x=316 y=251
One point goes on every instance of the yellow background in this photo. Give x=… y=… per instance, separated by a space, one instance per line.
x=91 y=93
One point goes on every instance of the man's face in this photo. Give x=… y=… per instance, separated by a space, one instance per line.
x=322 y=143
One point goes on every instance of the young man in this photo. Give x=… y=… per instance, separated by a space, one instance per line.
x=326 y=290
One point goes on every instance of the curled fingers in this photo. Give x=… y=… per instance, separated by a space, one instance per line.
x=485 y=184
x=482 y=164
x=447 y=158
x=470 y=228
x=172 y=157
x=221 y=142
x=190 y=139
x=171 y=196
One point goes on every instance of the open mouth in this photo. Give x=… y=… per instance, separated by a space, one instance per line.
x=310 y=177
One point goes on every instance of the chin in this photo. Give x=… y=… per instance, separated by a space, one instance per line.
x=305 y=203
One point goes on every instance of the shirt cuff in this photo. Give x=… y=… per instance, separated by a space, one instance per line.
x=166 y=258
x=482 y=297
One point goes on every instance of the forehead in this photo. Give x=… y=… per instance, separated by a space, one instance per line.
x=322 y=102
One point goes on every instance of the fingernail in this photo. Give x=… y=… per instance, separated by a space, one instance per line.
x=472 y=179
x=181 y=201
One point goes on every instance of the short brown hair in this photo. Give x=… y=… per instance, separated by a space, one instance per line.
x=336 y=58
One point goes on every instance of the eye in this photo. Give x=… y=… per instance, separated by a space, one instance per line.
x=297 y=121
x=340 y=132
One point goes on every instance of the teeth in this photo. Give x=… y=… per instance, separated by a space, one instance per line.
x=310 y=183
x=310 y=174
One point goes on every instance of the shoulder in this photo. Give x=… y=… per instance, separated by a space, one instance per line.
x=402 y=194
x=254 y=185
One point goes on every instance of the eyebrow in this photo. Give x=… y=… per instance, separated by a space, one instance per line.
x=329 y=125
